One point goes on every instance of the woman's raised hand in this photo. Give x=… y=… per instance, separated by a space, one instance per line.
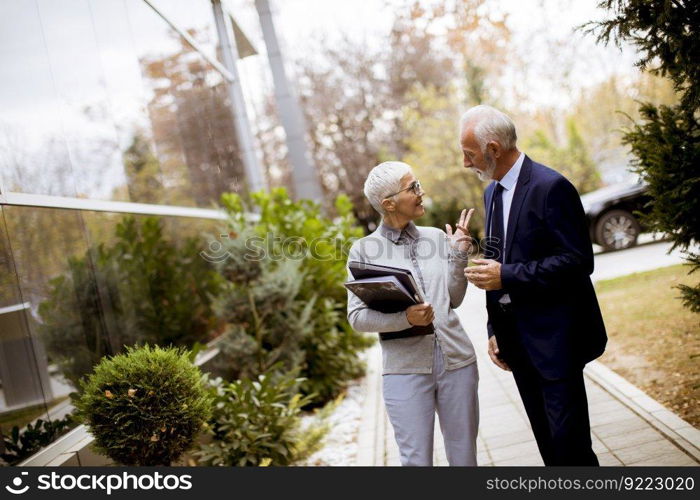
x=461 y=239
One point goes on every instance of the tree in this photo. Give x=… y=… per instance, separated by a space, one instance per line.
x=666 y=34
x=356 y=98
x=603 y=110
x=344 y=103
x=572 y=160
x=432 y=120
x=666 y=141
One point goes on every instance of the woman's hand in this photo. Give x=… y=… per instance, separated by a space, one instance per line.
x=420 y=314
x=461 y=239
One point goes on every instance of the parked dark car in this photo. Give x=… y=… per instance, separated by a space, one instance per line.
x=611 y=214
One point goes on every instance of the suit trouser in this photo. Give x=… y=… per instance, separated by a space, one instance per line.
x=557 y=409
x=411 y=401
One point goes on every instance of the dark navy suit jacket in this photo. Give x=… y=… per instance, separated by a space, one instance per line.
x=546 y=271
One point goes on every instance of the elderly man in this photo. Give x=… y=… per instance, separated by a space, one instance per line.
x=430 y=372
x=544 y=323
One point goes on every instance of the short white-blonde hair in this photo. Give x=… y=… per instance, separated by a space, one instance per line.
x=383 y=180
x=489 y=124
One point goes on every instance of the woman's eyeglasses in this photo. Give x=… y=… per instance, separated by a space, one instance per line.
x=415 y=186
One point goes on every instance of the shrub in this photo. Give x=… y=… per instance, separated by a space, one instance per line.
x=666 y=148
x=142 y=289
x=23 y=443
x=255 y=422
x=265 y=320
x=330 y=347
x=146 y=406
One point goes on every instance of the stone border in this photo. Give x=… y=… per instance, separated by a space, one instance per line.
x=675 y=429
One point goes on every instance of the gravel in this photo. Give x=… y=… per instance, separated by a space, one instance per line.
x=340 y=444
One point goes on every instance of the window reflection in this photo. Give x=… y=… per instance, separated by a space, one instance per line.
x=103 y=100
x=49 y=249
x=195 y=17
x=76 y=63
x=33 y=154
x=154 y=285
x=140 y=279
x=32 y=386
x=188 y=106
x=92 y=283
x=9 y=293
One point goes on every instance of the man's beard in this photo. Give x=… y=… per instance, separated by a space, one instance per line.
x=490 y=162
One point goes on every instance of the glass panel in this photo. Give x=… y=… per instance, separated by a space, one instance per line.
x=77 y=73
x=34 y=156
x=9 y=293
x=188 y=106
x=92 y=292
x=258 y=91
x=34 y=387
x=153 y=282
x=196 y=17
x=91 y=283
x=106 y=101
x=15 y=395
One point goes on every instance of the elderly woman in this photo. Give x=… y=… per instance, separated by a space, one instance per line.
x=421 y=373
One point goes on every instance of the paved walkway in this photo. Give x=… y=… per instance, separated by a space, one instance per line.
x=628 y=427
x=648 y=255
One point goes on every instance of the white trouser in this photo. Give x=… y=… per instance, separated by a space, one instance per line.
x=411 y=401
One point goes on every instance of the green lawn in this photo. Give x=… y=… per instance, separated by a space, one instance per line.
x=653 y=341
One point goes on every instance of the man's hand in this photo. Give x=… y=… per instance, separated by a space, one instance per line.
x=420 y=314
x=486 y=275
x=494 y=354
x=461 y=239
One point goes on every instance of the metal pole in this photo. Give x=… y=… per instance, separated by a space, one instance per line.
x=304 y=174
x=229 y=56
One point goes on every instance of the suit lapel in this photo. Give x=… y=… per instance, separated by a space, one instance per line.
x=521 y=189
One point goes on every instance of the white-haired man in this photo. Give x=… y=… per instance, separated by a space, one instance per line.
x=544 y=323
x=423 y=373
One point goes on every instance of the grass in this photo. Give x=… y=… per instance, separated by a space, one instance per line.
x=653 y=341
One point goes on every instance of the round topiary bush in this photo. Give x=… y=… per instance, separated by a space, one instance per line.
x=144 y=407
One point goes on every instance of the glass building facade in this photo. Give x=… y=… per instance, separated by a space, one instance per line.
x=109 y=119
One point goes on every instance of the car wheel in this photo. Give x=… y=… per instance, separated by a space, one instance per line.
x=617 y=230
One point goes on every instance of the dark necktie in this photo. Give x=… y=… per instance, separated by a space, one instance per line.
x=497 y=242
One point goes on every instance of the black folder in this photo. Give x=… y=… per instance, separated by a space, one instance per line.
x=387 y=289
